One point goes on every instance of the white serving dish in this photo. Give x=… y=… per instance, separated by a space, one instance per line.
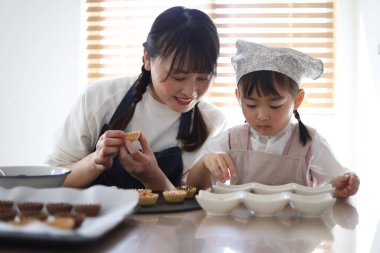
x=265 y=205
x=272 y=189
x=32 y=176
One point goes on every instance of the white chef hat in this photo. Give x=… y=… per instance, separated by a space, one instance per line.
x=252 y=57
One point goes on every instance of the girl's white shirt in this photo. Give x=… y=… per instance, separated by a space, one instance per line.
x=80 y=132
x=322 y=160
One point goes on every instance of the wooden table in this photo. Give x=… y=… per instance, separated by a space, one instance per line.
x=350 y=226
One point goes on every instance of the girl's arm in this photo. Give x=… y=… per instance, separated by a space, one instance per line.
x=218 y=165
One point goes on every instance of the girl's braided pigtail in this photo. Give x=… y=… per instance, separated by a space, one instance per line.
x=304 y=132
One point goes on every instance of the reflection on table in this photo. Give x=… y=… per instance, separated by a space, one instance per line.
x=242 y=231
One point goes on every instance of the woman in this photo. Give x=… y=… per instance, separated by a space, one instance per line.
x=164 y=103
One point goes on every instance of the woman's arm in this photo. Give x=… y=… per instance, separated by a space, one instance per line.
x=86 y=170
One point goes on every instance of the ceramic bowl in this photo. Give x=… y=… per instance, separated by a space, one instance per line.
x=265 y=205
x=305 y=190
x=312 y=206
x=225 y=188
x=272 y=189
x=32 y=176
x=218 y=204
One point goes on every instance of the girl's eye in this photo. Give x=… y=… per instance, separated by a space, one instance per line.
x=251 y=106
x=275 y=106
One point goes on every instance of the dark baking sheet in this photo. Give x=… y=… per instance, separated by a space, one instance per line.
x=164 y=207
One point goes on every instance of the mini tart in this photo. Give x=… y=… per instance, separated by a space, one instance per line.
x=33 y=215
x=174 y=196
x=7 y=214
x=55 y=208
x=148 y=198
x=4 y=204
x=77 y=217
x=30 y=206
x=190 y=191
x=144 y=191
x=90 y=210
x=132 y=136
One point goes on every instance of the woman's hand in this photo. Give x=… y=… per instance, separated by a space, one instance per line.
x=142 y=165
x=220 y=166
x=346 y=185
x=108 y=147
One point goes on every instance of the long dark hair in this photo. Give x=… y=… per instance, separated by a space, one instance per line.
x=263 y=82
x=190 y=36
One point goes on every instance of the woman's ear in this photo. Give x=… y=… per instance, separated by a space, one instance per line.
x=299 y=99
x=147 y=60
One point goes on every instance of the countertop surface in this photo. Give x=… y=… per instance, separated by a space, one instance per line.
x=350 y=226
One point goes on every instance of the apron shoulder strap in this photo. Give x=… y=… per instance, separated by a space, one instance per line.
x=239 y=137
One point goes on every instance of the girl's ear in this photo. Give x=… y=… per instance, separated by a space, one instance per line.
x=147 y=61
x=299 y=99
x=237 y=94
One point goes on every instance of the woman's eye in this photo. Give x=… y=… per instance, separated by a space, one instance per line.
x=178 y=78
x=203 y=79
x=251 y=106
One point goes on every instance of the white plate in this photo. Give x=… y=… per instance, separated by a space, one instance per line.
x=115 y=203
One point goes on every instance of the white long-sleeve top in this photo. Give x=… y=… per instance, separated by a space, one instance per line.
x=95 y=107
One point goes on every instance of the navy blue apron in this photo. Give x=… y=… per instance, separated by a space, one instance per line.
x=169 y=160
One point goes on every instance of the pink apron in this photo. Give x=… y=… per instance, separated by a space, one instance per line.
x=271 y=169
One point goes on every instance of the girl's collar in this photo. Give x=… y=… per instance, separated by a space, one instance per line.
x=285 y=131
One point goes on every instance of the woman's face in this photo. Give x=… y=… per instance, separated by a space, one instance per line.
x=178 y=89
x=268 y=115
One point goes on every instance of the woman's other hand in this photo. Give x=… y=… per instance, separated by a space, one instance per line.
x=143 y=166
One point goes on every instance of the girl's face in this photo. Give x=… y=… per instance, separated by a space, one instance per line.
x=178 y=89
x=268 y=115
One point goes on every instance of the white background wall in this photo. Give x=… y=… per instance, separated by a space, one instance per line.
x=39 y=74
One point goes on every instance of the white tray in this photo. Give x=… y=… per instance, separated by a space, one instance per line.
x=115 y=203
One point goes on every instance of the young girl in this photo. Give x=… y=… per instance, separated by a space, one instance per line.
x=163 y=102
x=272 y=148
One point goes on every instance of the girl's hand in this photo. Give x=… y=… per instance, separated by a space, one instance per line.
x=346 y=185
x=142 y=164
x=108 y=147
x=220 y=166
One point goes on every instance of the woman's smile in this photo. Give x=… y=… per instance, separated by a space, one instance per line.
x=184 y=101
